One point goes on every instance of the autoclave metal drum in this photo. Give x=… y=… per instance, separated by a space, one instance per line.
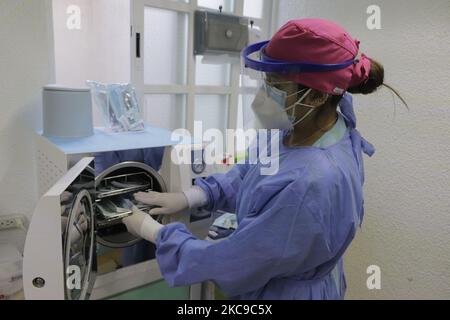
x=115 y=188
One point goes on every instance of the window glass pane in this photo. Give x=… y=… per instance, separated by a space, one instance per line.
x=165 y=46
x=251 y=78
x=165 y=111
x=227 y=5
x=212 y=74
x=212 y=110
x=253 y=8
x=245 y=114
x=250 y=82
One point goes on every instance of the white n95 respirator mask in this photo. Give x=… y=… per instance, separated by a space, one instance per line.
x=271 y=112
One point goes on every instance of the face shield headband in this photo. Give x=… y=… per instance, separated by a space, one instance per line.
x=269 y=65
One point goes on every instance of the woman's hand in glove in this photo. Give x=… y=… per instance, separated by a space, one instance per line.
x=169 y=203
x=141 y=224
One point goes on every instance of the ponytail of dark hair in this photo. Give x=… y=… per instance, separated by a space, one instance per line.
x=375 y=81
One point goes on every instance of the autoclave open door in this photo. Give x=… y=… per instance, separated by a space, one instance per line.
x=60 y=251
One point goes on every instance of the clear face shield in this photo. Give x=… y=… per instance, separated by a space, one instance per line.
x=270 y=101
x=277 y=103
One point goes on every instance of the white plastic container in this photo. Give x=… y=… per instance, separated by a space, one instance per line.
x=67 y=112
x=11 y=284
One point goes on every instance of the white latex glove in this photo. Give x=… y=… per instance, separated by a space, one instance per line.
x=66 y=196
x=80 y=228
x=141 y=224
x=196 y=197
x=66 y=205
x=169 y=203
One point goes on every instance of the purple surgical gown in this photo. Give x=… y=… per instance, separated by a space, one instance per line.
x=294 y=226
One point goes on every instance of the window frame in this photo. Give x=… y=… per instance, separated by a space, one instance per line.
x=191 y=89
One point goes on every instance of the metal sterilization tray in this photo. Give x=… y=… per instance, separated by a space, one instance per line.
x=115 y=188
x=124 y=183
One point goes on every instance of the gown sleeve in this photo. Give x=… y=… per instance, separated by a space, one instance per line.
x=222 y=189
x=279 y=237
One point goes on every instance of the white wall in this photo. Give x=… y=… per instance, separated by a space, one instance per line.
x=26 y=64
x=112 y=36
x=407 y=226
x=72 y=47
x=100 y=50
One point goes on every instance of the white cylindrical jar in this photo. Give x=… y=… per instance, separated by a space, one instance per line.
x=67 y=112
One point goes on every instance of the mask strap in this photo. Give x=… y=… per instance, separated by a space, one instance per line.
x=303 y=118
x=300 y=100
x=296 y=93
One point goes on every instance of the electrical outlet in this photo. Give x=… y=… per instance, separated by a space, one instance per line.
x=11 y=222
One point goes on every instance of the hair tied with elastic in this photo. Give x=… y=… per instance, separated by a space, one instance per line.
x=361 y=71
